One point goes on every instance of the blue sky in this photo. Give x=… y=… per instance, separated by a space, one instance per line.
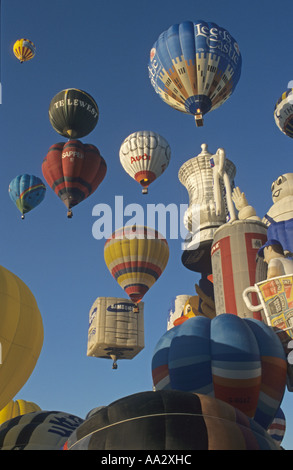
x=103 y=47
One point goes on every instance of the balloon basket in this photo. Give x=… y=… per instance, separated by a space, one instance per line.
x=145 y=191
x=198 y=120
x=69 y=214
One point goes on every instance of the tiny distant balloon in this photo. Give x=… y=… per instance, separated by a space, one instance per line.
x=24 y=50
x=145 y=155
x=73 y=113
x=27 y=192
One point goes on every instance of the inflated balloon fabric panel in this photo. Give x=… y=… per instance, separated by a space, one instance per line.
x=136 y=258
x=278 y=427
x=195 y=66
x=41 y=430
x=169 y=420
x=240 y=361
x=17 y=408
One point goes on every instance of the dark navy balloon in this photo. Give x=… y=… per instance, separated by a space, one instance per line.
x=195 y=67
x=27 y=192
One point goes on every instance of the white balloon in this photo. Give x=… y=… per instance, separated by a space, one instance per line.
x=145 y=155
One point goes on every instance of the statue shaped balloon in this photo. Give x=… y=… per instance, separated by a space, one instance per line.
x=209 y=180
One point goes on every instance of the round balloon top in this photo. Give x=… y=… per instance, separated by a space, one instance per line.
x=195 y=67
x=73 y=113
x=24 y=50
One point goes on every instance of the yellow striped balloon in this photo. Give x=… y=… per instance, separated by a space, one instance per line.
x=136 y=256
x=24 y=50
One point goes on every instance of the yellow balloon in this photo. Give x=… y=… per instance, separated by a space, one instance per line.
x=21 y=334
x=24 y=50
x=17 y=408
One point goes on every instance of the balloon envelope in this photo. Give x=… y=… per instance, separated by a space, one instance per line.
x=240 y=361
x=74 y=171
x=145 y=155
x=24 y=50
x=136 y=256
x=27 y=192
x=169 y=420
x=21 y=335
x=73 y=113
x=195 y=67
x=39 y=430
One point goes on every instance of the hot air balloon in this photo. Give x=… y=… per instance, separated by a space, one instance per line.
x=195 y=67
x=168 y=420
x=73 y=113
x=24 y=50
x=17 y=408
x=115 y=331
x=283 y=113
x=74 y=171
x=145 y=155
x=136 y=256
x=239 y=361
x=27 y=192
x=21 y=335
x=39 y=430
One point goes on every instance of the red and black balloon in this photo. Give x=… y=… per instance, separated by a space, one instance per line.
x=74 y=171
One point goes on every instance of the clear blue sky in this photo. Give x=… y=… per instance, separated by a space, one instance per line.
x=103 y=47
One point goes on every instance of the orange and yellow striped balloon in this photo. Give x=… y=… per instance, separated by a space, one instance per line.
x=24 y=50
x=136 y=256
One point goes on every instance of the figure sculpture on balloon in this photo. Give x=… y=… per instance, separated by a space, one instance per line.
x=279 y=217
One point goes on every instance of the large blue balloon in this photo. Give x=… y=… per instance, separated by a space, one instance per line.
x=195 y=67
x=27 y=192
x=240 y=361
